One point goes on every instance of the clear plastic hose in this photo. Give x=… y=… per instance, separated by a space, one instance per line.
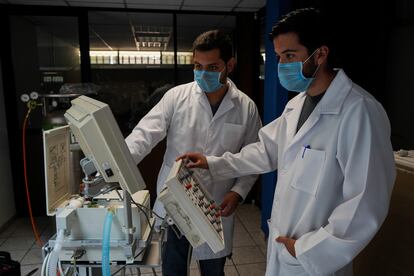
x=54 y=255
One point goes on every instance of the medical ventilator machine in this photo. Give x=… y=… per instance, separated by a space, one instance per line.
x=107 y=225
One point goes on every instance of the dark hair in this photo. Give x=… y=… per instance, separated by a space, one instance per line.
x=214 y=39
x=312 y=29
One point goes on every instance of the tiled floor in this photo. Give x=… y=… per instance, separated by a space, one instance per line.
x=249 y=246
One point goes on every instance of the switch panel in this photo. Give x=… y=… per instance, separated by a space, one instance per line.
x=192 y=209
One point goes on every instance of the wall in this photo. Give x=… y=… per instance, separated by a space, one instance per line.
x=400 y=94
x=24 y=53
x=375 y=41
x=391 y=251
x=7 y=207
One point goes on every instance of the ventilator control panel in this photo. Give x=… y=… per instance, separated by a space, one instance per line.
x=192 y=209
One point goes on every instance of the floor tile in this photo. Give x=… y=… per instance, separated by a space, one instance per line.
x=248 y=255
x=229 y=262
x=34 y=256
x=149 y=270
x=231 y=271
x=17 y=255
x=193 y=263
x=194 y=272
x=259 y=238
x=25 y=269
x=252 y=225
x=238 y=225
x=263 y=248
x=17 y=243
x=250 y=217
x=24 y=230
x=247 y=210
x=130 y=271
x=8 y=231
x=251 y=269
x=242 y=238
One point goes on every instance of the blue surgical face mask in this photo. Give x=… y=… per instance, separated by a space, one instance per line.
x=208 y=81
x=291 y=76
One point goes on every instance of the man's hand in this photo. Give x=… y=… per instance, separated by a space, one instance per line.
x=289 y=243
x=230 y=203
x=197 y=160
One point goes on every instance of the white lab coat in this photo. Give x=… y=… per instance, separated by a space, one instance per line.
x=184 y=115
x=331 y=197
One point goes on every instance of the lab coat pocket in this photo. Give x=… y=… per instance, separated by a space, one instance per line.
x=289 y=265
x=287 y=257
x=271 y=244
x=308 y=167
x=231 y=136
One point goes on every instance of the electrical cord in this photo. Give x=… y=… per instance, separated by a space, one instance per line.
x=138 y=206
x=75 y=269
x=136 y=256
x=29 y=205
x=141 y=207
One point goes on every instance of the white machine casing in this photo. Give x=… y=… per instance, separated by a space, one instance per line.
x=85 y=227
x=192 y=209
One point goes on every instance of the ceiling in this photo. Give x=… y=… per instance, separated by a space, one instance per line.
x=132 y=30
x=196 y=5
x=120 y=30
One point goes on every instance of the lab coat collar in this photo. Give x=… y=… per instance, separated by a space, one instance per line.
x=331 y=103
x=226 y=104
x=334 y=97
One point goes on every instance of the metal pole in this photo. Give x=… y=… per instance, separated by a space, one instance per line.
x=128 y=217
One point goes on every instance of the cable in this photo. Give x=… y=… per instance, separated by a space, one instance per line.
x=75 y=269
x=136 y=256
x=34 y=228
x=142 y=206
x=139 y=206
x=142 y=210
x=149 y=209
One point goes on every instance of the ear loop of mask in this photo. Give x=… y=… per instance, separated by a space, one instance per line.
x=317 y=68
x=221 y=72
